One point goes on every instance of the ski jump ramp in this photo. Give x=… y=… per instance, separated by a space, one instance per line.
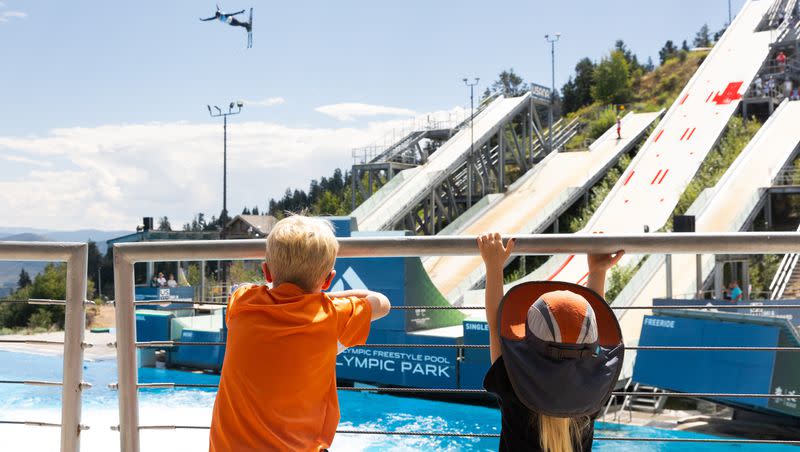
x=392 y=201
x=724 y=209
x=535 y=200
x=648 y=191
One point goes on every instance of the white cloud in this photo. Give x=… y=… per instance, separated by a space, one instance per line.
x=349 y=111
x=5 y=15
x=268 y=102
x=27 y=161
x=110 y=176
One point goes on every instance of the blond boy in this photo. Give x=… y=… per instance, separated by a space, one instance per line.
x=278 y=384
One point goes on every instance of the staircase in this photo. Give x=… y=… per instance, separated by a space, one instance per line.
x=792 y=291
x=645 y=403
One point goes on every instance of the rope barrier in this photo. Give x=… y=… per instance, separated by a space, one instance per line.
x=34 y=342
x=434 y=308
x=483 y=391
x=157 y=344
x=31 y=382
x=38 y=301
x=31 y=423
x=496 y=435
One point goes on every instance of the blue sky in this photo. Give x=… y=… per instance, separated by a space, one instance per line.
x=104 y=102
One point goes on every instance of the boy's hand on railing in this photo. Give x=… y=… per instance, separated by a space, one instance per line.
x=600 y=263
x=493 y=252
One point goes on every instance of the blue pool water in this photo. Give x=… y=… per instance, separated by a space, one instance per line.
x=359 y=411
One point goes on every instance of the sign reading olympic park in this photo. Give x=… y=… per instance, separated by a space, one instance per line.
x=540 y=92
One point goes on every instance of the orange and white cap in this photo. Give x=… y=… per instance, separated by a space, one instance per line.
x=562 y=347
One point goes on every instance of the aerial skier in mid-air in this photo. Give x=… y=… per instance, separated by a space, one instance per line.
x=233 y=21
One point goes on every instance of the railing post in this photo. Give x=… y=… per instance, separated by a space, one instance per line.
x=668 y=262
x=698 y=267
x=126 y=354
x=74 y=325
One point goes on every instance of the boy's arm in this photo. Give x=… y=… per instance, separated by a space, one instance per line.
x=494 y=256
x=598 y=267
x=378 y=302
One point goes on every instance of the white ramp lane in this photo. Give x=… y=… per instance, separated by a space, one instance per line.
x=396 y=199
x=647 y=193
x=728 y=206
x=533 y=201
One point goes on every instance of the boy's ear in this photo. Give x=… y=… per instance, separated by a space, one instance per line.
x=267 y=274
x=327 y=284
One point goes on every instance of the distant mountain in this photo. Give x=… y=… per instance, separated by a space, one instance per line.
x=26 y=237
x=9 y=270
x=82 y=235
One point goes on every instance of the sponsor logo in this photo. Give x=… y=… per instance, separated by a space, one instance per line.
x=659 y=323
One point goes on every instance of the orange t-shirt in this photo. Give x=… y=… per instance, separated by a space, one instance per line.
x=278 y=384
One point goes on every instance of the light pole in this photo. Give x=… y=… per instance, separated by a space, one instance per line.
x=472 y=136
x=729 y=12
x=238 y=105
x=552 y=40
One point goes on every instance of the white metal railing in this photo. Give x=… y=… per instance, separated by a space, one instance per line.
x=127 y=254
x=75 y=255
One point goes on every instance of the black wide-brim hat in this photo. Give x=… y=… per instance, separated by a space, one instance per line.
x=554 y=378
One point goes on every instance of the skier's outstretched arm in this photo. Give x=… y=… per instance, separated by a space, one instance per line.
x=210 y=18
x=236 y=13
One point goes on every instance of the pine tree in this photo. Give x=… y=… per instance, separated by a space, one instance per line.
x=668 y=51
x=24 y=279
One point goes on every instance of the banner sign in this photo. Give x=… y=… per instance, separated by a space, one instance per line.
x=540 y=92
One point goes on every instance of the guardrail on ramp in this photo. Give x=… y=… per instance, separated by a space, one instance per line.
x=395 y=201
x=536 y=199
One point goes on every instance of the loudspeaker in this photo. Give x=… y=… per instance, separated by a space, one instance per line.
x=683 y=223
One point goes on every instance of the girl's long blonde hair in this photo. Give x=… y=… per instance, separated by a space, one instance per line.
x=558 y=434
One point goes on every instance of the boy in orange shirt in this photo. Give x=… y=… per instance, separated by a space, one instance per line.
x=278 y=385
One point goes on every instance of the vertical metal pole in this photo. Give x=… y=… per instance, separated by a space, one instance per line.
x=699 y=275
x=74 y=324
x=353 y=187
x=745 y=280
x=471 y=144
x=202 y=281
x=553 y=91
x=668 y=261
x=718 y=273
x=126 y=354
x=225 y=164
x=433 y=211
x=501 y=161
x=730 y=17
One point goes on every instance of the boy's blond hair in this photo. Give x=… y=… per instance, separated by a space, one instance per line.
x=301 y=250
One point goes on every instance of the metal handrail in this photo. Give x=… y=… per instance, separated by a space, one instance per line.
x=76 y=257
x=127 y=254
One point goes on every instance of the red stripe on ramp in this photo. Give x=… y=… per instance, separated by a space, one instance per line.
x=629 y=178
x=709 y=96
x=684 y=98
x=662 y=177
x=691 y=133
x=654 y=179
x=583 y=277
x=563 y=266
x=684 y=134
x=658 y=136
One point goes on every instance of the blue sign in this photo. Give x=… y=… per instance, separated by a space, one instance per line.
x=751 y=307
x=703 y=370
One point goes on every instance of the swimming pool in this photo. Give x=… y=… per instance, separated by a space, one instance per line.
x=193 y=407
